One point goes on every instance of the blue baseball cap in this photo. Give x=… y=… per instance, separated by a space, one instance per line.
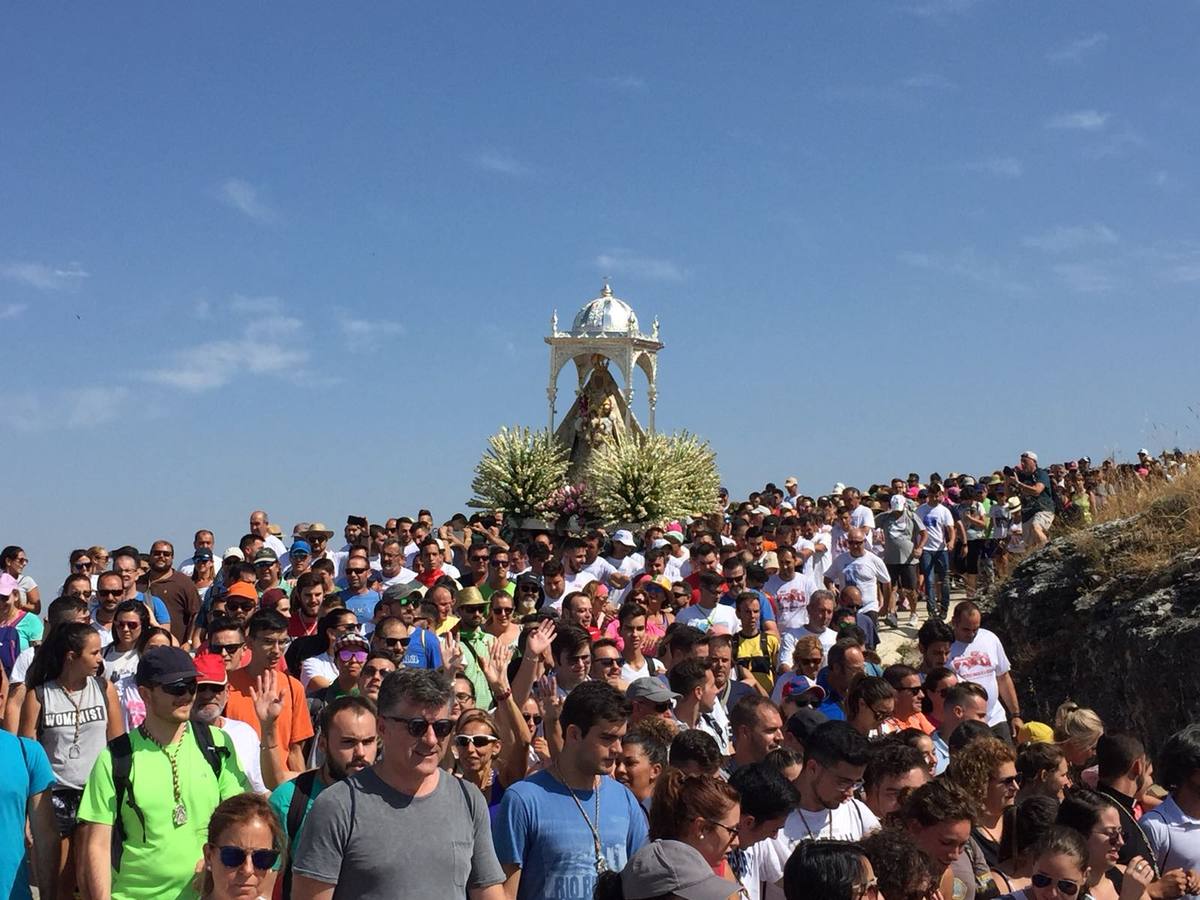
x=300 y=547
x=202 y=554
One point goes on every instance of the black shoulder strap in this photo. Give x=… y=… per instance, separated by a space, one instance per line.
x=304 y=784
x=120 y=749
x=213 y=754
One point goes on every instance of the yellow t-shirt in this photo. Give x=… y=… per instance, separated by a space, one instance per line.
x=750 y=655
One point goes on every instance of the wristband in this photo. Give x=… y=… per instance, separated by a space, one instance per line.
x=502 y=695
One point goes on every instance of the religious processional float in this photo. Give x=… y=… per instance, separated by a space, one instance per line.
x=599 y=467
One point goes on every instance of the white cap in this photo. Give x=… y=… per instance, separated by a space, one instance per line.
x=1031 y=455
x=838 y=488
x=624 y=536
x=898 y=502
x=234 y=551
x=659 y=543
x=1143 y=452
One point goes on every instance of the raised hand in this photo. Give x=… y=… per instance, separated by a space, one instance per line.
x=267 y=694
x=541 y=638
x=495 y=665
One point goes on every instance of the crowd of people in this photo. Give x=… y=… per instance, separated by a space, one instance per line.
x=698 y=710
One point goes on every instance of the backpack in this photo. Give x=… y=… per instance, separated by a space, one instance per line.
x=121 y=750
x=10 y=643
x=305 y=782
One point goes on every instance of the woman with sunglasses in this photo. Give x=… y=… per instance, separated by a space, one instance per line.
x=491 y=750
x=698 y=810
x=1060 y=870
x=869 y=705
x=244 y=843
x=1096 y=819
x=986 y=769
x=807 y=658
x=130 y=619
x=501 y=622
x=72 y=711
x=13 y=561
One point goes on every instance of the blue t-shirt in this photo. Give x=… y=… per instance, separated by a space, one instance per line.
x=766 y=612
x=18 y=755
x=540 y=828
x=160 y=609
x=281 y=800
x=424 y=651
x=362 y=605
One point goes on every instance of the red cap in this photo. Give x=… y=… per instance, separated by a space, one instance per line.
x=210 y=669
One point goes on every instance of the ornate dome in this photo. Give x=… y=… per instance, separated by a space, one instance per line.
x=605 y=315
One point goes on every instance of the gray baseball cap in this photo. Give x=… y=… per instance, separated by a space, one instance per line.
x=675 y=868
x=650 y=689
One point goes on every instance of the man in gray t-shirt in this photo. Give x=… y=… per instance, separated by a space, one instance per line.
x=402 y=827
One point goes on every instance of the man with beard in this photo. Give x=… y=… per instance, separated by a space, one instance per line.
x=349 y=743
x=558 y=829
x=211 y=695
x=177 y=592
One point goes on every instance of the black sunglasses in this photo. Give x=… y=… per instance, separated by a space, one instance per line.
x=233 y=857
x=534 y=718
x=180 y=688
x=226 y=648
x=239 y=607
x=1066 y=888
x=395 y=642
x=418 y=726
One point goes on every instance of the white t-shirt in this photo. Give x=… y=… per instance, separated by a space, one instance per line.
x=864 y=572
x=404 y=576
x=787 y=643
x=629 y=567
x=704 y=619
x=247 y=746
x=652 y=667
x=791 y=599
x=862 y=517
x=321 y=666
x=21 y=666
x=600 y=568
x=578 y=581
x=849 y=822
x=938 y=523
x=982 y=661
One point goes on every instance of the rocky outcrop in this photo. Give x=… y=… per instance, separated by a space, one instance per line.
x=1078 y=624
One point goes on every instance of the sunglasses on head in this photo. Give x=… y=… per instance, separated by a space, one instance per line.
x=419 y=725
x=180 y=688
x=234 y=857
x=478 y=741
x=1066 y=888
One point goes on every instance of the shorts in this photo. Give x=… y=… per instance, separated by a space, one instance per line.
x=1043 y=520
x=66 y=809
x=974 y=551
x=903 y=576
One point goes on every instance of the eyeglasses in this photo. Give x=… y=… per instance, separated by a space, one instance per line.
x=180 y=688
x=499 y=563
x=478 y=741
x=83 y=565
x=162 y=552
x=870 y=889
x=356 y=571
x=809 y=661
x=372 y=671
x=358 y=656
x=110 y=593
x=732 y=832
x=233 y=857
x=298 y=555
x=915 y=689
x=82 y=594
x=274 y=643
x=463 y=696
x=879 y=714
x=1042 y=880
x=1112 y=835
x=532 y=718
x=479 y=559
x=395 y=641
x=662 y=707
x=609 y=662
x=131 y=626
x=345 y=628
x=1012 y=781
x=418 y=726
x=855 y=543
x=240 y=607
x=529 y=589
x=21 y=559
x=502 y=610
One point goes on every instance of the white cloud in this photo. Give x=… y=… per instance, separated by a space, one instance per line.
x=1086 y=277
x=1065 y=238
x=43 y=277
x=270 y=344
x=74 y=408
x=622 y=82
x=1074 y=51
x=244 y=197
x=1000 y=166
x=367 y=334
x=929 y=81
x=626 y=262
x=968 y=265
x=12 y=310
x=500 y=163
x=1081 y=120
x=934 y=9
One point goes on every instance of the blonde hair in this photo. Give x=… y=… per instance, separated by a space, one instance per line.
x=810 y=643
x=1073 y=724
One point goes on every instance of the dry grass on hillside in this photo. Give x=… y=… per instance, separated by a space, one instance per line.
x=1168 y=524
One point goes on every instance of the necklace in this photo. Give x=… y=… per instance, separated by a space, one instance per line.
x=73 y=750
x=808 y=828
x=179 y=816
x=601 y=865
x=1127 y=815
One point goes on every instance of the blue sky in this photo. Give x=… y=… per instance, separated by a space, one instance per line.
x=303 y=257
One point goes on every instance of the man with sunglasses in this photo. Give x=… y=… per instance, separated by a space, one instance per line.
x=177 y=592
x=439 y=838
x=178 y=772
x=125 y=563
x=267 y=630
x=475 y=642
x=861 y=568
x=109 y=589
x=650 y=699
x=391 y=634
x=391 y=564
x=359 y=598
x=559 y=828
x=497 y=573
